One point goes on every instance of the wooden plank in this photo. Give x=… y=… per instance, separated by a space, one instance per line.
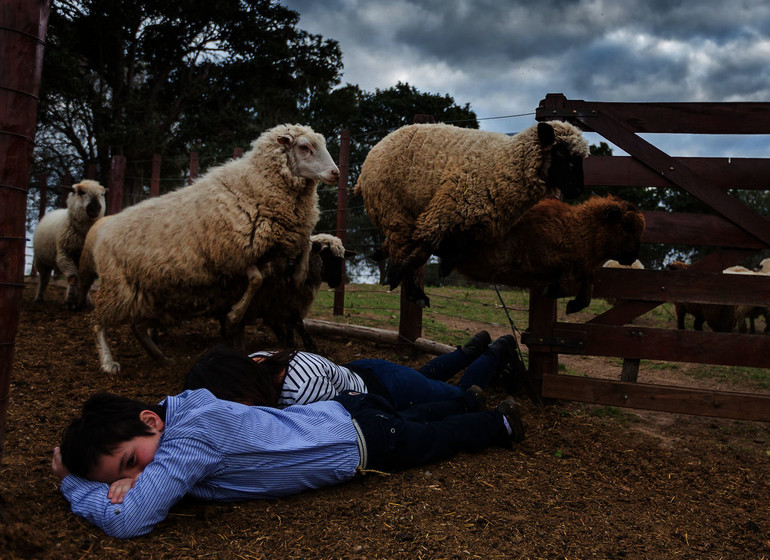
x=685 y=118
x=683 y=285
x=722 y=404
x=724 y=173
x=697 y=229
x=668 y=345
x=731 y=208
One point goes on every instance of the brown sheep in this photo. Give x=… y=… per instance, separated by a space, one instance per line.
x=560 y=246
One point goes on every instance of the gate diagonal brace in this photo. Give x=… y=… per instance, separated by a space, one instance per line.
x=574 y=342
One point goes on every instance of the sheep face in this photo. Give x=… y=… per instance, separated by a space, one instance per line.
x=627 y=226
x=309 y=158
x=87 y=197
x=564 y=170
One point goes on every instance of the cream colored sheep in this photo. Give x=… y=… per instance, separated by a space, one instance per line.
x=169 y=256
x=59 y=237
x=612 y=263
x=87 y=267
x=560 y=246
x=440 y=189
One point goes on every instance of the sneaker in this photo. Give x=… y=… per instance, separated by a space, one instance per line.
x=476 y=345
x=510 y=410
x=510 y=370
x=479 y=397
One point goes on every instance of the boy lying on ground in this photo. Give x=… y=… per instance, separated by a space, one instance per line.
x=124 y=463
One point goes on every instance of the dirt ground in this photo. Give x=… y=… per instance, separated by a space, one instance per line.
x=587 y=482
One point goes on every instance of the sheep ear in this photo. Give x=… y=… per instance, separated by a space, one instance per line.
x=285 y=140
x=613 y=213
x=545 y=134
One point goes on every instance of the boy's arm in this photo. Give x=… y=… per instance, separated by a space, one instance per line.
x=177 y=467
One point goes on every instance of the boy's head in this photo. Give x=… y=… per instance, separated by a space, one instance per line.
x=114 y=437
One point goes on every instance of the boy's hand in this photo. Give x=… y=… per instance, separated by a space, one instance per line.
x=119 y=488
x=57 y=466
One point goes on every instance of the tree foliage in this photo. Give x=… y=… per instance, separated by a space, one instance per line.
x=137 y=77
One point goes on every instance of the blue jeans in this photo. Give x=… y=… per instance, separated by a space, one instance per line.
x=421 y=434
x=406 y=387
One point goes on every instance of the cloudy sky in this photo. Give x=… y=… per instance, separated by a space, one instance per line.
x=503 y=56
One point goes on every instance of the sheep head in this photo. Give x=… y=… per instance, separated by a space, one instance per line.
x=567 y=148
x=625 y=223
x=87 y=196
x=308 y=156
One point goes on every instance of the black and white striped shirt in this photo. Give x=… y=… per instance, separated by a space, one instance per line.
x=312 y=378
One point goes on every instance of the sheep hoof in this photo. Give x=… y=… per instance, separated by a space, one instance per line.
x=574 y=306
x=112 y=368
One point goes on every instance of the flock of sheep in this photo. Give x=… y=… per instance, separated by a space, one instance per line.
x=238 y=243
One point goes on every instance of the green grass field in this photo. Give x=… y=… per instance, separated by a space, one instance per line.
x=456 y=312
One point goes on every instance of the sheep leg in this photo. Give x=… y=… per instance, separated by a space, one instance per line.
x=45 y=275
x=238 y=311
x=414 y=292
x=109 y=365
x=69 y=270
x=415 y=256
x=303 y=264
x=583 y=297
x=141 y=330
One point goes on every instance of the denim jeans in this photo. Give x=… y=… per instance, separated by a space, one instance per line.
x=406 y=386
x=421 y=434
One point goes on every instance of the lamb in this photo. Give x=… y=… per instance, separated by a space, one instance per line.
x=168 y=257
x=282 y=306
x=560 y=246
x=59 y=237
x=440 y=189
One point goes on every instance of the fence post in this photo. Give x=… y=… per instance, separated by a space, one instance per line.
x=410 y=318
x=22 y=41
x=117 y=177
x=155 y=181
x=237 y=153
x=342 y=214
x=64 y=190
x=91 y=172
x=193 y=167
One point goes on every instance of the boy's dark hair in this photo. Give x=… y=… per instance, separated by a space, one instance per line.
x=232 y=375
x=106 y=421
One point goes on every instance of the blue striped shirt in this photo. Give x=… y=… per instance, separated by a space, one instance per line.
x=311 y=378
x=221 y=450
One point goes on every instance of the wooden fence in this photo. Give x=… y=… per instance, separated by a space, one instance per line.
x=734 y=233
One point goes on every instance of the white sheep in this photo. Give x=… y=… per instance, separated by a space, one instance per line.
x=282 y=306
x=612 y=263
x=560 y=246
x=440 y=189
x=168 y=257
x=59 y=237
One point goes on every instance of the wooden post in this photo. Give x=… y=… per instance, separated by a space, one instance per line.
x=155 y=181
x=342 y=214
x=117 y=177
x=237 y=153
x=22 y=41
x=410 y=318
x=64 y=190
x=193 y=167
x=91 y=172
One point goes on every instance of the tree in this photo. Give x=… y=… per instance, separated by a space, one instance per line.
x=137 y=77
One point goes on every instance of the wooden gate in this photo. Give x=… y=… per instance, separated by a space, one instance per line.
x=734 y=233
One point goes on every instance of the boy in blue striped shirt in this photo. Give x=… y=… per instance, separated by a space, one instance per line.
x=124 y=463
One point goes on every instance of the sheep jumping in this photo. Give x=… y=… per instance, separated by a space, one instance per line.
x=168 y=257
x=282 y=306
x=560 y=246
x=59 y=237
x=440 y=189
